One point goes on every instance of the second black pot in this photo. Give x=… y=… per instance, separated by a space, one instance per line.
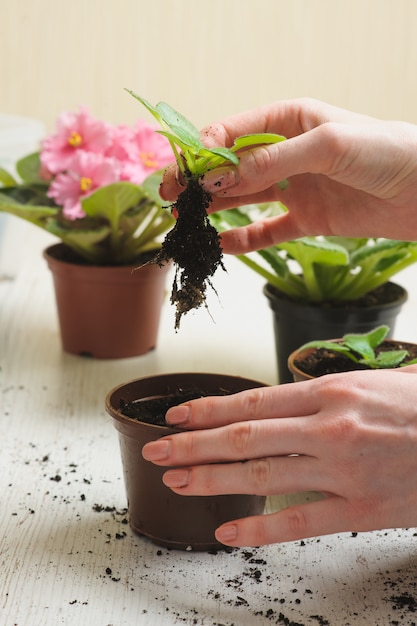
x=296 y=323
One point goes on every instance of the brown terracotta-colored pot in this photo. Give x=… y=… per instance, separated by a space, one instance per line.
x=106 y=312
x=168 y=519
x=297 y=374
x=300 y=354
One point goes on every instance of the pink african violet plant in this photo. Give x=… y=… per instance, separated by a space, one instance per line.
x=95 y=186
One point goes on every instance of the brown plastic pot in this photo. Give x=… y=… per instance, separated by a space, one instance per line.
x=298 y=355
x=168 y=519
x=297 y=374
x=106 y=312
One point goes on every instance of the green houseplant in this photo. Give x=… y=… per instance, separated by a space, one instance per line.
x=321 y=287
x=95 y=187
x=354 y=351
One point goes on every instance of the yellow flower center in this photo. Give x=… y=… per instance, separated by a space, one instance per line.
x=75 y=140
x=148 y=159
x=85 y=184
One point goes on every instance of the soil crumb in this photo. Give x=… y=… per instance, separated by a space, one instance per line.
x=193 y=245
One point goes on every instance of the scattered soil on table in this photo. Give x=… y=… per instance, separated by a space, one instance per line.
x=323 y=361
x=153 y=410
x=193 y=245
x=404 y=601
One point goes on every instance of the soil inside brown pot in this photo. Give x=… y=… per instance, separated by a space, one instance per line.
x=153 y=410
x=323 y=361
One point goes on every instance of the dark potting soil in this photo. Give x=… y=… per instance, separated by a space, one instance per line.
x=193 y=245
x=323 y=361
x=153 y=410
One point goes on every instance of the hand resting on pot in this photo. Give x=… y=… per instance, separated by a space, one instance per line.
x=350 y=174
x=351 y=436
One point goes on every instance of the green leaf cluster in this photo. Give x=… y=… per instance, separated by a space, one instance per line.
x=193 y=158
x=123 y=220
x=361 y=348
x=317 y=269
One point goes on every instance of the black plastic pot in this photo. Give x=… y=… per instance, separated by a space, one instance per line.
x=296 y=323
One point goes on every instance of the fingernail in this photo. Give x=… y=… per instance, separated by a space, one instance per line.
x=156 y=450
x=178 y=415
x=227 y=533
x=219 y=179
x=179 y=178
x=177 y=478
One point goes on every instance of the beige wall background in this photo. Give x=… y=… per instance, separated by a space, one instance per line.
x=207 y=59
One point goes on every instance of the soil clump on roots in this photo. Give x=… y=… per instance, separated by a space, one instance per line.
x=193 y=245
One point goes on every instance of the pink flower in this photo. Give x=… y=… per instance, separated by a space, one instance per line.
x=88 y=172
x=122 y=143
x=148 y=152
x=75 y=132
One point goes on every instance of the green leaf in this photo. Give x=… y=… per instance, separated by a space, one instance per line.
x=28 y=169
x=84 y=241
x=231 y=217
x=151 y=186
x=111 y=201
x=331 y=345
x=365 y=343
x=179 y=125
x=183 y=145
x=351 y=244
x=252 y=140
x=377 y=335
x=28 y=212
x=283 y=184
x=387 y=359
x=385 y=263
x=224 y=153
x=6 y=179
x=146 y=104
x=315 y=250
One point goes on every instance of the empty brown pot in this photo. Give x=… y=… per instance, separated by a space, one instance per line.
x=106 y=311
x=168 y=519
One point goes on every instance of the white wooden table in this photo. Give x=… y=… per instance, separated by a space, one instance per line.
x=67 y=555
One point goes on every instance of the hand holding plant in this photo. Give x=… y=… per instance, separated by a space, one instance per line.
x=193 y=244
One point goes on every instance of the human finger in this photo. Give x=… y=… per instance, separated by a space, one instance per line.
x=252 y=404
x=323 y=517
x=263 y=476
x=284 y=117
x=235 y=442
